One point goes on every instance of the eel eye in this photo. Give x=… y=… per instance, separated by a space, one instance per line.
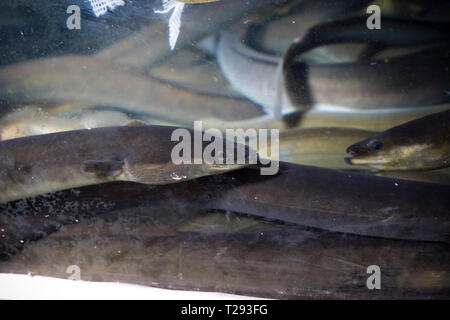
x=376 y=145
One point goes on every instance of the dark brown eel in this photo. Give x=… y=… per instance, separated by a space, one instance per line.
x=309 y=196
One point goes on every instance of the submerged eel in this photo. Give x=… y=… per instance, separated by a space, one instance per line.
x=409 y=81
x=421 y=144
x=259 y=84
x=321 y=147
x=91 y=81
x=267 y=260
x=309 y=196
x=412 y=80
x=51 y=162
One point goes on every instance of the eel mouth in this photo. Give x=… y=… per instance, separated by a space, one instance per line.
x=348 y=159
x=375 y=162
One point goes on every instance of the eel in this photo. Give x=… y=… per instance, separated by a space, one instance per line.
x=270 y=260
x=51 y=162
x=90 y=81
x=320 y=198
x=194 y=70
x=321 y=147
x=367 y=85
x=259 y=81
x=395 y=32
x=371 y=84
x=421 y=144
x=31 y=120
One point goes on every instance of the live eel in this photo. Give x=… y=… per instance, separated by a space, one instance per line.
x=421 y=144
x=266 y=260
x=322 y=146
x=412 y=80
x=51 y=162
x=91 y=81
x=366 y=85
x=309 y=196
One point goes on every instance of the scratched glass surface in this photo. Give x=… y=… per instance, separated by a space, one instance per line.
x=345 y=102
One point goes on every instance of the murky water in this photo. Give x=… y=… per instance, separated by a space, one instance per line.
x=345 y=102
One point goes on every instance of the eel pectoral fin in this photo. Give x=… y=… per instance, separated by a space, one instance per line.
x=103 y=168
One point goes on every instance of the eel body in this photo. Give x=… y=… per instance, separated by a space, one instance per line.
x=91 y=81
x=315 y=197
x=269 y=259
x=46 y=163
